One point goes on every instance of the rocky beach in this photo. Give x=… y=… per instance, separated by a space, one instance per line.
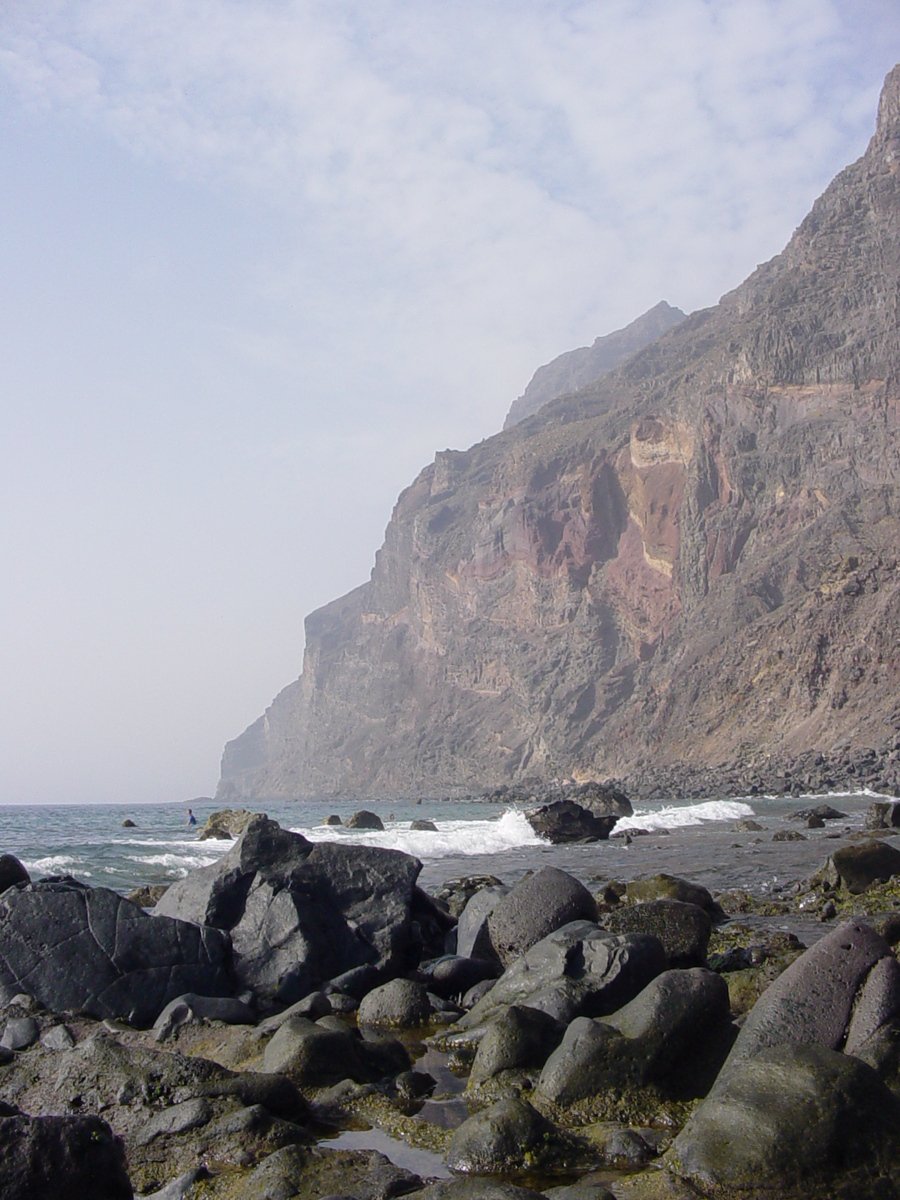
x=310 y=1019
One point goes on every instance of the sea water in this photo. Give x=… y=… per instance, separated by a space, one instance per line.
x=695 y=839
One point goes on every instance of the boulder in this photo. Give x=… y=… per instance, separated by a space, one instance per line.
x=660 y=1037
x=301 y=914
x=577 y=970
x=334 y=819
x=44 y=1158
x=364 y=819
x=564 y=821
x=519 y=1038
x=670 y=887
x=508 y=1138
x=683 y=929
x=473 y=939
x=812 y=1001
x=877 y=1004
x=793 y=1122
x=226 y=824
x=824 y=812
x=475 y=1189
x=423 y=826
x=536 y=906
x=401 y=1003
x=601 y=798
x=12 y=872
x=453 y=975
x=882 y=814
x=191 y=1007
x=316 y=1055
x=327 y=1174
x=455 y=894
x=858 y=866
x=89 y=950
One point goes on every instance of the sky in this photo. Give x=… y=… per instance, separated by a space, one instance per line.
x=261 y=259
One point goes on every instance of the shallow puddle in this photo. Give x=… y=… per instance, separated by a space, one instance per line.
x=422 y=1162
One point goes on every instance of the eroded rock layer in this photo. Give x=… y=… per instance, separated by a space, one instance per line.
x=693 y=561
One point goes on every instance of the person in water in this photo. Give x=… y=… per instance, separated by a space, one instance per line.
x=192 y=820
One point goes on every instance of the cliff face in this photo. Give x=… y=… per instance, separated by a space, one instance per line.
x=694 y=560
x=579 y=368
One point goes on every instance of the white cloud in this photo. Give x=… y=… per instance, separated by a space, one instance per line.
x=290 y=248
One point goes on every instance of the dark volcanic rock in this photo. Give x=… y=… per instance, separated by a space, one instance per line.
x=564 y=821
x=364 y=819
x=536 y=906
x=316 y=1055
x=811 y=1003
x=11 y=872
x=401 y=1003
x=509 y=1138
x=794 y=1122
x=473 y=938
x=683 y=929
x=301 y=914
x=81 y=949
x=578 y=969
x=857 y=867
x=883 y=814
x=601 y=581
x=44 y=1158
x=519 y=1037
x=663 y=1031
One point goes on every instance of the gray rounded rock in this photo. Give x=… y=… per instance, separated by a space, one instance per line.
x=793 y=1122
x=402 y=1003
x=364 y=819
x=508 y=1138
x=520 y=1037
x=536 y=906
x=473 y=938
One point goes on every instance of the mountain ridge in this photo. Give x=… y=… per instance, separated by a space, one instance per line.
x=690 y=562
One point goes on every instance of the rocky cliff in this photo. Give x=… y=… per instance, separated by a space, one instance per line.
x=579 y=368
x=694 y=561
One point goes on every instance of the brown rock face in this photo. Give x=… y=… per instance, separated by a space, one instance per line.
x=691 y=562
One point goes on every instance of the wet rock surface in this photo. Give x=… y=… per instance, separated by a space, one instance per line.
x=589 y=1065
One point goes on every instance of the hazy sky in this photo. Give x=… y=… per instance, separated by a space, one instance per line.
x=262 y=258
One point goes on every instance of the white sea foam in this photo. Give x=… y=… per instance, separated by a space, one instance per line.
x=182 y=862
x=56 y=864
x=678 y=815
x=508 y=832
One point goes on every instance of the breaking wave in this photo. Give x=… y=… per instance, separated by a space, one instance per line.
x=508 y=832
x=679 y=815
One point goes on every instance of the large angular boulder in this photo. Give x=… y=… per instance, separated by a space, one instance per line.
x=564 y=821
x=44 y=1158
x=577 y=970
x=536 y=906
x=301 y=914
x=81 y=949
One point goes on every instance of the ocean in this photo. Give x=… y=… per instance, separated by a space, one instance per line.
x=696 y=840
